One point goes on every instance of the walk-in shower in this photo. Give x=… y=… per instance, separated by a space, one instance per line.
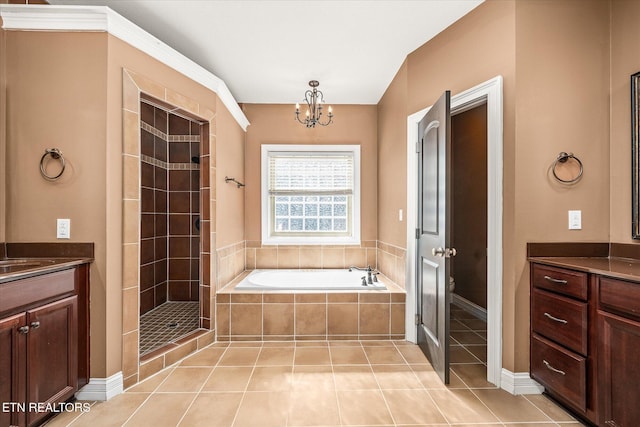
x=169 y=225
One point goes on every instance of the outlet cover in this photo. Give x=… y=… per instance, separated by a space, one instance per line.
x=63 y=228
x=575 y=220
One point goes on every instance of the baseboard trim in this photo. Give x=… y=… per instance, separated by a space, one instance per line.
x=519 y=383
x=102 y=388
x=466 y=305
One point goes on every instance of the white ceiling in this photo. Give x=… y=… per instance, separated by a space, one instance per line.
x=266 y=51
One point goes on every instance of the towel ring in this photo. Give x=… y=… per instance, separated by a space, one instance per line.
x=563 y=158
x=55 y=154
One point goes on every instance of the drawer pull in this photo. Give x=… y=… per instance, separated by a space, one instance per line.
x=555 y=319
x=557 y=281
x=23 y=330
x=551 y=368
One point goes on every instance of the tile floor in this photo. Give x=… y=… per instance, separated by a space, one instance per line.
x=320 y=383
x=167 y=323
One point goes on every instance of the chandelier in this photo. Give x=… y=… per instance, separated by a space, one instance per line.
x=314 y=100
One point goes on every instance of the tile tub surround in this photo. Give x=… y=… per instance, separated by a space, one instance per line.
x=388 y=259
x=310 y=315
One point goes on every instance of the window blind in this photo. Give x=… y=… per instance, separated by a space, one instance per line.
x=311 y=173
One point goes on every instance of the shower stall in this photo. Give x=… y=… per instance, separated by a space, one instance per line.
x=170 y=243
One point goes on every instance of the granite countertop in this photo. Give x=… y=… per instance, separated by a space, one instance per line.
x=620 y=268
x=20 y=268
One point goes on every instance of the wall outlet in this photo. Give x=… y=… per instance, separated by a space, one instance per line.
x=63 y=228
x=575 y=220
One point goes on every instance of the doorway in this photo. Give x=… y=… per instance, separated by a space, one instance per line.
x=490 y=94
x=170 y=238
x=468 y=280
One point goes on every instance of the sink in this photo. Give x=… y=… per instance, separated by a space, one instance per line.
x=19 y=264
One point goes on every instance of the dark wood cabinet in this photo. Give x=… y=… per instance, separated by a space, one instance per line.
x=585 y=339
x=13 y=372
x=619 y=344
x=52 y=354
x=40 y=345
x=562 y=356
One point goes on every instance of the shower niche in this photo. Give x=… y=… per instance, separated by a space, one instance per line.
x=170 y=237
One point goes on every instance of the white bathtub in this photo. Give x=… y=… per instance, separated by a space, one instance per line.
x=307 y=280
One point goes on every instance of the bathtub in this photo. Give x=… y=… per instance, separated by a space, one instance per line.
x=307 y=280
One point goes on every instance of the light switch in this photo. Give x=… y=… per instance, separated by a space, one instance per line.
x=63 y=228
x=400 y=215
x=575 y=220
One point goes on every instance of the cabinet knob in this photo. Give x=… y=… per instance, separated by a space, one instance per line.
x=23 y=330
x=35 y=325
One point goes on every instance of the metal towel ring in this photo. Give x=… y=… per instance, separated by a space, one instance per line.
x=562 y=158
x=55 y=154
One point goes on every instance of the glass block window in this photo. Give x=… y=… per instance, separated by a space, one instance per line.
x=310 y=194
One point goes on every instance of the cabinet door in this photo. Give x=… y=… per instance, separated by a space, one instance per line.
x=619 y=371
x=52 y=353
x=12 y=370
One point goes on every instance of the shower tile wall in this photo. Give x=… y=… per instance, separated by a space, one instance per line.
x=170 y=242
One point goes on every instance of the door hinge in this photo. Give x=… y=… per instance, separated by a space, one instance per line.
x=417 y=319
x=417 y=234
x=418 y=147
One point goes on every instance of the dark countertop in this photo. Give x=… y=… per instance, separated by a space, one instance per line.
x=21 y=268
x=620 y=268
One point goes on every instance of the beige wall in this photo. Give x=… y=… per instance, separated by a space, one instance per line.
x=275 y=124
x=56 y=97
x=555 y=99
x=230 y=198
x=392 y=160
x=562 y=105
x=64 y=90
x=625 y=34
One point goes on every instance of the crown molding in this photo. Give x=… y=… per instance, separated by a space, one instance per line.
x=102 y=18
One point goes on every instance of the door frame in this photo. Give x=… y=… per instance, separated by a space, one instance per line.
x=491 y=93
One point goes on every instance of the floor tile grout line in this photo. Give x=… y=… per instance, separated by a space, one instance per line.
x=335 y=388
x=379 y=387
x=213 y=368
x=244 y=393
x=540 y=409
x=155 y=391
x=423 y=387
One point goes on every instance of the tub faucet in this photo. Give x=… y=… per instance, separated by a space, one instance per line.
x=371 y=277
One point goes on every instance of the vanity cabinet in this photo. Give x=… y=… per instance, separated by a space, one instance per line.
x=562 y=353
x=619 y=348
x=40 y=345
x=585 y=336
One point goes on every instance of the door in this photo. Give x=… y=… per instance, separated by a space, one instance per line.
x=52 y=354
x=13 y=373
x=433 y=253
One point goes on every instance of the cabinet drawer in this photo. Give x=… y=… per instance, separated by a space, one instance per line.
x=20 y=294
x=560 y=319
x=562 y=372
x=560 y=280
x=619 y=296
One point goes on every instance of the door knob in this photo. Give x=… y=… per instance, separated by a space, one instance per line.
x=444 y=252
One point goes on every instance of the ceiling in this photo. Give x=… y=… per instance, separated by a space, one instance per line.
x=266 y=51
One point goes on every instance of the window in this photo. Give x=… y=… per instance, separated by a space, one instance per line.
x=310 y=194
